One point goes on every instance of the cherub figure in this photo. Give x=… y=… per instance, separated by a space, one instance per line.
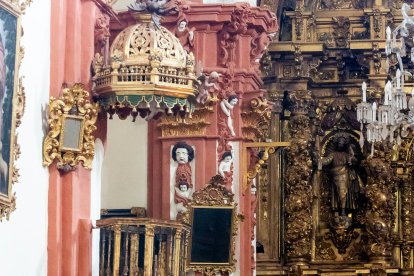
x=205 y=84
x=182 y=196
x=225 y=168
x=227 y=108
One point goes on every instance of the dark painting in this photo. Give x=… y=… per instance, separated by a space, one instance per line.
x=8 y=36
x=211 y=235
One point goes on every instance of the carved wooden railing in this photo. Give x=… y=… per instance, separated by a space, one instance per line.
x=142 y=246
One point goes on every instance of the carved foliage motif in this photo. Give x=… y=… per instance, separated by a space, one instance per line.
x=298 y=60
x=379 y=191
x=324 y=250
x=102 y=34
x=173 y=126
x=230 y=34
x=298 y=187
x=342 y=31
x=377 y=23
x=256 y=118
x=376 y=57
x=258 y=46
x=340 y=4
x=341 y=238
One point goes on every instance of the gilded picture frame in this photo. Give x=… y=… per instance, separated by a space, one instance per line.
x=70 y=138
x=11 y=100
x=212 y=213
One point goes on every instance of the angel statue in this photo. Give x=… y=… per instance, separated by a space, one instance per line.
x=205 y=83
x=156 y=8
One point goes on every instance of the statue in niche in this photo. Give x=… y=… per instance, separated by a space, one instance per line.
x=345 y=183
x=185 y=35
x=182 y=196
x=183 y=154
x=227 y=106
x=226 y=169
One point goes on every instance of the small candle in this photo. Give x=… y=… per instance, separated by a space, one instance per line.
x=374 y=111
x=398 y=79
x=364 y=92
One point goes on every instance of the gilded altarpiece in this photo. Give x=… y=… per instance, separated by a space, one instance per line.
x=344 y=206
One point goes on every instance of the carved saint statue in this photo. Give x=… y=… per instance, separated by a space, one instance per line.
x=225 y=169
x=227 y=106
x=183 y=154
x=185 y=35
x=182 y=196
x=345 y=185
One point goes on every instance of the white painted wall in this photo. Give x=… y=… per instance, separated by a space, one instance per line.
x=96 y=180
x=23 y=239
x=124 y=173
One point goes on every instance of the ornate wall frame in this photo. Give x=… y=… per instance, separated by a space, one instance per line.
x=212 y=200
x=71 y=124
x=12 y=99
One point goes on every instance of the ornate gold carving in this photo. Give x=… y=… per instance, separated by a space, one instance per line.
x=324 y=75
x=266 y=64
x=341 y=238
x=298 y=205
x=266 y=149
x=256 y=118
x=298 y=21
x=148 y=71
x=377 y=23
x=324 y=250
x=120 y=246
x=342 y=31
x=258 y=46
x=215 y=195
x=73 y=105
x=376 y=57
x=172 y=126
x=298 y=60
x=380 y=193
x=340 y=4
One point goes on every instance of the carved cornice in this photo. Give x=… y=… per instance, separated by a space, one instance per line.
x=196 y=125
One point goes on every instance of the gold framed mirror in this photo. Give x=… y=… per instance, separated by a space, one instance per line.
x=213 y=217
x=72 y=133
x=71 y=121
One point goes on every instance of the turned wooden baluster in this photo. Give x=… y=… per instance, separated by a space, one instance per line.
x=149 y=249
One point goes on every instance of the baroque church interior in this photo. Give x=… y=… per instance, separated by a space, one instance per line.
x=206 y=137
